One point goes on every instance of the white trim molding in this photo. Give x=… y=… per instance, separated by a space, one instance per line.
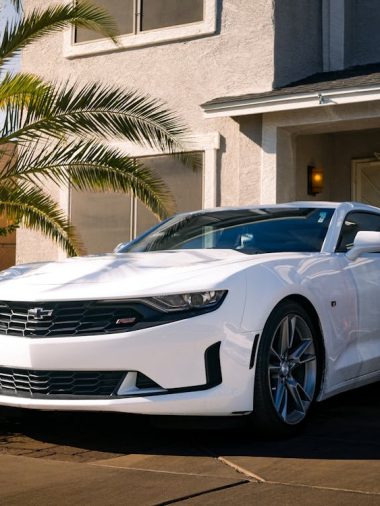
x=208 y=143
x=142 y=39
x=275 y=103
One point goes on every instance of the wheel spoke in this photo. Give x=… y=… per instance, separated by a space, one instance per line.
x=306 y=359
x=284 y=412
x=275 y=354
x=304 y=393
x=293 y=390
x=287 y=331
x=296 y=355
x=280 y=393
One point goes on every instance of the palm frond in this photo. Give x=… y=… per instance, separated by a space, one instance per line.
x=16 y=89
x=31 y=207
x=88 y=166
x=53 y=132
x=9 y=229
x=98 y=110
x=41 y=22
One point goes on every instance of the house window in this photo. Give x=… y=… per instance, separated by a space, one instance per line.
x=121 y=10
x=106 y=219
x=137 y=16
x=162 y=13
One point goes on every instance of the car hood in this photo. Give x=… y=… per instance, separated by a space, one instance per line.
x=118 y=275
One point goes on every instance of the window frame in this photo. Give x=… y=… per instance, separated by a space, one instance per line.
x=208 y=143
x=175 y=33
x=338 y=248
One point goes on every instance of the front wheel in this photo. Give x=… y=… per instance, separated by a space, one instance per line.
x=287 y=371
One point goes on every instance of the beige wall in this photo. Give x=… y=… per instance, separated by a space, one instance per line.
x=184 y=75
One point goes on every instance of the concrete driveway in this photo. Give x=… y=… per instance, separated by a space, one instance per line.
x=115 y=459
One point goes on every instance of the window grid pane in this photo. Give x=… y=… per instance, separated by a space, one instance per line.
x=123 y=12
x=184 y=183
x=135 y=16
x=157 y=14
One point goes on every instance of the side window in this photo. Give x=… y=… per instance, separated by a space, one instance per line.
x=356 y=222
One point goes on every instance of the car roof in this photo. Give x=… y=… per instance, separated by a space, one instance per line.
x=345 y=206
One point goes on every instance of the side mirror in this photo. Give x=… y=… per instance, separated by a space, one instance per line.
x=364 y=242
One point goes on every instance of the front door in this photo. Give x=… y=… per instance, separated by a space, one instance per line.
x=366 y=181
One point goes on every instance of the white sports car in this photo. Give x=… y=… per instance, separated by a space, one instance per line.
x=253 y=311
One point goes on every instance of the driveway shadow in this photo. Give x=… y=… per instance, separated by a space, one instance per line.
x=346 y=427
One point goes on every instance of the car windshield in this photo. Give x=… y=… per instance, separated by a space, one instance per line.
x=249 y=231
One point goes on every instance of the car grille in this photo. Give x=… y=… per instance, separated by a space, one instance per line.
x=29 y=383
x=66 y=318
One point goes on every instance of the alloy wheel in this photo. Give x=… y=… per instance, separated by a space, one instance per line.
x=292 y=369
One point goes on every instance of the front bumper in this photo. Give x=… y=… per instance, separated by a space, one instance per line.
x=171 y=355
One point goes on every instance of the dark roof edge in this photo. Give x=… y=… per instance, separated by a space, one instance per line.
x=363 y=76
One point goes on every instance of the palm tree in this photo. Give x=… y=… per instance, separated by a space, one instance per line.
x=59 y=131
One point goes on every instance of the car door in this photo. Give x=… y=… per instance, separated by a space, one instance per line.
x=363 y=276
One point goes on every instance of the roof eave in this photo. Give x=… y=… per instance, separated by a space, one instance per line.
x=274 y=103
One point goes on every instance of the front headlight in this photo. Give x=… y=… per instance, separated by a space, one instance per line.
x=187 y=301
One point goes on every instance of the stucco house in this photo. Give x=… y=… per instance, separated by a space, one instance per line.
x=269 y=88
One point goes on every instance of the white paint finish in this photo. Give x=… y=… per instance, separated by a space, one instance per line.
x=203 y=403
x=170 y=34
x=365 y=242
x=99 y=276
x=362 y=265
x=252 y=281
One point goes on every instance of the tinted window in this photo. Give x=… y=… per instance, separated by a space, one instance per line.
x=149 y=15
x=121 y=10
x=103 y=219
x=354 y=223
x=162 y=13
x=247 y=230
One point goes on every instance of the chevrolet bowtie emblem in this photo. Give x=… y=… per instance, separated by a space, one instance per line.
x=39 y=313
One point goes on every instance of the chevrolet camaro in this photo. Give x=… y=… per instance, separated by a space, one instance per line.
x=256 y=311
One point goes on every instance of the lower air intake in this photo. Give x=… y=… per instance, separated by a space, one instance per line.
x=30 y=383
x=143 y=381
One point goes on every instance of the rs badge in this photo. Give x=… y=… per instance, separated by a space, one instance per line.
x=125 y=321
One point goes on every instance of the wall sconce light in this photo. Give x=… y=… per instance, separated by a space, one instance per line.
x=315 y=180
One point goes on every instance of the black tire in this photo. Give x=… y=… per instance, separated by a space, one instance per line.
x=287 y=379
